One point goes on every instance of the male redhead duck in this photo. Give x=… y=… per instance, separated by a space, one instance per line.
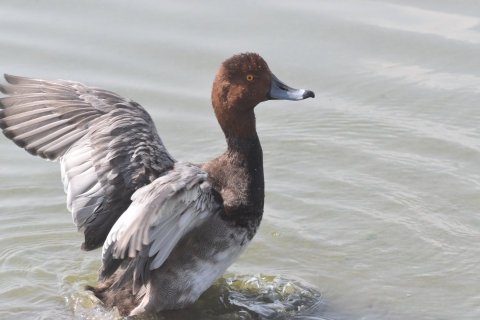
x=169 y=229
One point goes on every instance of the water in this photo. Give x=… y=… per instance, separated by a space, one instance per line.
x=372 y=188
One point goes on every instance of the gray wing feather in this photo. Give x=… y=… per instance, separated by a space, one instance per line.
x=160 y=215
x=108 y=145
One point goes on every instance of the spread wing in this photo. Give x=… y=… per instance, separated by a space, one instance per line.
x=107 y=145
x=160 y=215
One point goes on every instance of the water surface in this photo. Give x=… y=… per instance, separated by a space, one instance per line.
x=372 y=188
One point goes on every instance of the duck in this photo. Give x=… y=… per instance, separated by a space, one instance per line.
x=168 y=229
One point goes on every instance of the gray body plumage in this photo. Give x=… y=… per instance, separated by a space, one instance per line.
x=175 y=241
x=197 y=261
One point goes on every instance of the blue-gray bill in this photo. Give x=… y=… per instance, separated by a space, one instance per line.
x=280 y=91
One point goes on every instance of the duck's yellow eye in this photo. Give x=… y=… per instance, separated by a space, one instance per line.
x=249 y=77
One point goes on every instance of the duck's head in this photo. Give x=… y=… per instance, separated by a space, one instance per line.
x=242 y=82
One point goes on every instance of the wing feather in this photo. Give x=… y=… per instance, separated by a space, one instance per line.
x=108 y=145
x=160 y=215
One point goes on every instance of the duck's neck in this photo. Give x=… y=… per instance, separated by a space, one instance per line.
x=244 y=149
x=245 y=158
x=238 y=176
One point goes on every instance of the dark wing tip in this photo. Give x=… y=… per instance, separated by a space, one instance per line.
x=109 y=264
x=90 y=247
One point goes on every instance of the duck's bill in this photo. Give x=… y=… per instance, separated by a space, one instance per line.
x=280 y=91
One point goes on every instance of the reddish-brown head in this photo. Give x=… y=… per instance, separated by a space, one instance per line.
x=242 y=82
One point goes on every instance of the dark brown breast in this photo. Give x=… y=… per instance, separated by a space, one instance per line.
x=237 y=175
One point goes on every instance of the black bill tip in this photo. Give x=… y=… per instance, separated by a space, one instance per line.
x=308 y=94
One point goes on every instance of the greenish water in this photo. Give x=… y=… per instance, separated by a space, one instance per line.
x=372 y=188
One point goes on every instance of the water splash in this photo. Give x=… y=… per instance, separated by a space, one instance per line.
x=231 y=297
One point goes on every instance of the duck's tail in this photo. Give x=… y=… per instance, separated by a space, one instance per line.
x=112 y=295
